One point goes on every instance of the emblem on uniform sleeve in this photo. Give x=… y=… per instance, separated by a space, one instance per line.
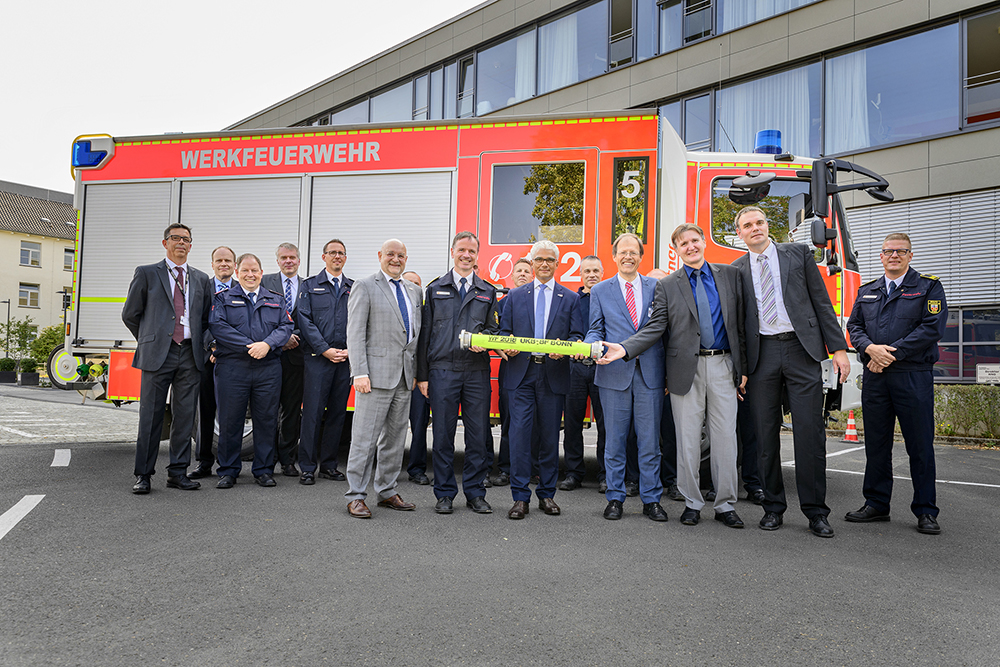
x=934 y=306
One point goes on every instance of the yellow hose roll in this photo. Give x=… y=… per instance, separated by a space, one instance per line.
x=540 y=345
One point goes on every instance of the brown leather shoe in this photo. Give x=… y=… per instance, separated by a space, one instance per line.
x=358 y=509
x=397 y=503
x=518 y=511
x=549 y=506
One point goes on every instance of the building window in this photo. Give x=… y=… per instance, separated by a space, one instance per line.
x=421 y=101
x=27 y=295
x=698 y=123
x=787 y=101
x=683 y=22
x=532 y=202
x=466 y=88
x=976 y=341
x=646 y=24
x=620 y=40
x=31 y=253
x=68 y=256
x=450 y=89
x=573 y=48
x=893 y=92
x=982 y=68
x=436 y=104
x=735 y=14
x=393 y=105
x=505 y=73
x=356 y=114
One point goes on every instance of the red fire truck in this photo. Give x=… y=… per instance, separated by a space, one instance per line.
x=577 y=180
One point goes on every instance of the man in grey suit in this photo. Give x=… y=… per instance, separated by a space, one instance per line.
x=701 y=305
x=790 y=326
x=166 y=310
x=383 y=326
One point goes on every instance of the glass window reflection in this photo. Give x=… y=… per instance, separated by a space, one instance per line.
x=573 y=48
x=505 y=73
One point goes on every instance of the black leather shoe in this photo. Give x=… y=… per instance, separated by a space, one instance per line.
x=673 y=493
x=710 y=495
x=535 y=479
x=770 y=521
x=307 y=479
x=334 y=474
x=602 y=486
x=928 y=525
x=265 y=480
x=654 y=511
x=690 y=517
x=487 y=482
x=569 y=483
x=731 y=519
x=866 y=514
x=290 y=470
x=443 y=506
x=631 y=489
x=503 y=479
x=479 y=505
x=820 y=527
x=613 y=511
x=549 y=506
x=420 y=478
x=226 y=482
x=756 y=496
x=201 y=471
x=141 y=485
x=519 y=510
x=183 y=483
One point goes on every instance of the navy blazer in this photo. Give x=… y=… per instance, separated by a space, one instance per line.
x=322 y=317
x=275 y=282
x=518 y=319
x=236 y=323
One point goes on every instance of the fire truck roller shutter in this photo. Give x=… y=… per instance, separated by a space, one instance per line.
x=364 y=210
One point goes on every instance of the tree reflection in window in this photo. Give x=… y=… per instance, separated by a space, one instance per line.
x=536 y=202
x=630 y=197
x=774 y=205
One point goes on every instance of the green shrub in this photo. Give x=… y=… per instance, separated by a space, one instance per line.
x=28 y=365
x=48 y=339
x=968 y=410
x=7 y=365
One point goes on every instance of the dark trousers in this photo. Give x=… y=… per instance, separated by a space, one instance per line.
x=179 y=371
x=581 y=387
x=326 y=388
x=503 y=462
x=746 y=431
x=256 y=383
x=785 y=365
x=447 y=391
x=909 y=396
x=668 y=445
x=533 y=397
x=205 y=437
x=289 y=410
x=420 y=415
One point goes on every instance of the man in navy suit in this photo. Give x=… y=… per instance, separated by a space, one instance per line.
x=166 y=310
x=541 y=309
x=631 y=389
x=322 y=320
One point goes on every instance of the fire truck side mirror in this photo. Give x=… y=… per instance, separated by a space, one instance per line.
x=821 y=234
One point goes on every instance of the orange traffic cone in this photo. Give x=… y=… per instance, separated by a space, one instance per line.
x=851 y=434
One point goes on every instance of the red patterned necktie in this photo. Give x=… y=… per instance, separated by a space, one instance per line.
x=630 y=302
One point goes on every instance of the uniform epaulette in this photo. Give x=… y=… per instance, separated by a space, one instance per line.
x=929 y=277
x=871 y=281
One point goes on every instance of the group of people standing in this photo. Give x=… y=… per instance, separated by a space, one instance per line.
x=698 y=357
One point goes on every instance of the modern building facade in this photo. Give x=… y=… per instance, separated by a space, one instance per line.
x=37 y=252
x=909 y=88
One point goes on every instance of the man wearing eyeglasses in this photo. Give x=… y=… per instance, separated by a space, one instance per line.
x=166 y=310
x=895 y=325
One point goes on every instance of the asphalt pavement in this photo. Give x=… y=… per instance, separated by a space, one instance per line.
x=95 y=575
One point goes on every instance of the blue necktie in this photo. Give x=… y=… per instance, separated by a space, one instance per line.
x=704 y=313
x=288 y=294
x=253 y=298
x=336 y=288
x=892 y=287
x=540 y=313
x=402 y=307
x=462 y=290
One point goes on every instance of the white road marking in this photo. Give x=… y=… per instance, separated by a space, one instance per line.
x=845 y=451
x=11 y=517
x=16 y=432
x=938 y=481
x=61 y=458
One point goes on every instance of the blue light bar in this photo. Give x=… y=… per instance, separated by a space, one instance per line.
x=84 y=157
x=768 y=141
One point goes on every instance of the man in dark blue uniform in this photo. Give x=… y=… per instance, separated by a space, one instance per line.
x=322 y=319
x=896 y=324
x=451 y=377
x=420 y=417
x=250 y=325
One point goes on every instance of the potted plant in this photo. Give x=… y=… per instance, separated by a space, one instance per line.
x=28 y=376
x=7 y=370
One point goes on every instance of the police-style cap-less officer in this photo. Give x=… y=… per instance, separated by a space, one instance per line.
x=250 y=325
x=897 y=321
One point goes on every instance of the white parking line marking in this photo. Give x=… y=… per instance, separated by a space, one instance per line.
x=845 y=451
x=61 y=458
x=11 y=517
x=938 y=481
x=16 y=432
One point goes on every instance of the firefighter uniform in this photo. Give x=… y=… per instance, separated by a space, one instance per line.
x=235 y=322
x=912 y=319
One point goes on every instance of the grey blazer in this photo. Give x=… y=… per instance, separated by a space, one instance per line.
x=806 y=300
x=675 y=311
x=376 y=337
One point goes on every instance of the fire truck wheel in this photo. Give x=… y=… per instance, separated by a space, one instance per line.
x=61 y=367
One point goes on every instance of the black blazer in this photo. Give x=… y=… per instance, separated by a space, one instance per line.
x=276 y=283
x=149 y=313
x=806 y=300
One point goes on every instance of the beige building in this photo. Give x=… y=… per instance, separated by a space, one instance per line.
x=37 y=252
x=908 y=88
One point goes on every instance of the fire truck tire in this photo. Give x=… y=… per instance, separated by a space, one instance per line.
x=61 y=367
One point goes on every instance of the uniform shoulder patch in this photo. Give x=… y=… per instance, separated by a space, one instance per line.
x=929 y=276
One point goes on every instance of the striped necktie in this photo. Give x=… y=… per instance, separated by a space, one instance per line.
x=769 y=306
x=630 y=302
x=288 y=294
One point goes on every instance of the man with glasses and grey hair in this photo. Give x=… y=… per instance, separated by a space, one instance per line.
x=537 y=382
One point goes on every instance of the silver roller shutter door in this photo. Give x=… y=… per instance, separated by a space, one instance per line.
x=367 y=209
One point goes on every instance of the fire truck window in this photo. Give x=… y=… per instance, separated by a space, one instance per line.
x=775 y=207
x=532 y=202
x=630 y=196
